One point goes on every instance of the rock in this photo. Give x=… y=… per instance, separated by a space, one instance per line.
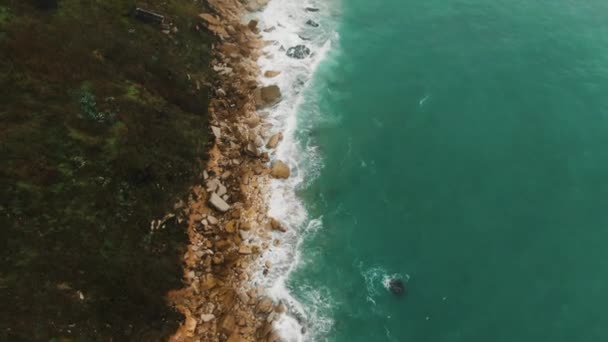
x=253 y=26
x=210 y=18
x=228 y=324
x=397 y=286
x=312 y=9
x=281 y=308
x=274 y=140
x=208 y=282
x=221 y=189
x=267 y=96
x=245 y=225
x=217 y=132
x=212 y=220
x=276 y=225
x=265 y=305
x=279 y=170
x=298 y=52
x=235 y=337
x=312 y=23
x=259 y=142
x=243 y=297
x=245 y=250
x=253 y=121
x=230 y=227
x=212 y=185
x=218 y=203
x=268 y=264
x=256 y=5
x=207 y=317
x=271 y=73
x=252 y=150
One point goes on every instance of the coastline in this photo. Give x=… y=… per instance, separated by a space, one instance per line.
x=227 y=214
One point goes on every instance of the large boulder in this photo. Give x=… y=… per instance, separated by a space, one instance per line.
x=267 y=96
x=279 y=169
x=298 y=52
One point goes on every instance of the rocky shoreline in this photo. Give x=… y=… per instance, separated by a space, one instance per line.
x=228 y=225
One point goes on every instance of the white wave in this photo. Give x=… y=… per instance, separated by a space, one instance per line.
x=377 y=278
x=284 y=24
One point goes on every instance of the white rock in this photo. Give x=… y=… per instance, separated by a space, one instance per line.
x=219 y=204
x=207 y=317
x=212 y=220
x=216 y=131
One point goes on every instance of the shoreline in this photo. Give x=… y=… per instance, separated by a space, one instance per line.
x=227 y=213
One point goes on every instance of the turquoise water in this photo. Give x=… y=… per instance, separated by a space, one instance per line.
x=464 y=144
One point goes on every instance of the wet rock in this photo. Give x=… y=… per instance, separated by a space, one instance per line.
x=279 y=170
x=265 y=305
x=218 y=203
x=271 y=73
x=253 y=26
x=207 y=317
x=298 y=52
x=256 y=5
x=276 y=225
x=397 y=286
x=312 y=23
x=267 y=96
x=274 y=140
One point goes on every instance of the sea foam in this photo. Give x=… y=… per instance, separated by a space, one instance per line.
x=284 y=24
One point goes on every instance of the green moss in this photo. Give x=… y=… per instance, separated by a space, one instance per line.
x=132 y=92
x=78 y=191
x=5 y=15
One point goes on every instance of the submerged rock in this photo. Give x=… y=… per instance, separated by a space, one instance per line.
x=312 y=9
x=298 y=52
x=312 y=23
x=397 y=286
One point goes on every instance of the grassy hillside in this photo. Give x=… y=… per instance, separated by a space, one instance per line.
x=103 y=125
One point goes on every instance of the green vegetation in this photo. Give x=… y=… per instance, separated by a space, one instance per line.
x=102 y=128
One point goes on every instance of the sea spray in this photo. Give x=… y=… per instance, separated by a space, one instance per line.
x=288 y=24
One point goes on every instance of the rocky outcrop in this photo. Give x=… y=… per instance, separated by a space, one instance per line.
x=227 y=222
x=298 y=52
x=279 y=169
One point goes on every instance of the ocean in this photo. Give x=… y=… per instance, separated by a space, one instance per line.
x=459 y=146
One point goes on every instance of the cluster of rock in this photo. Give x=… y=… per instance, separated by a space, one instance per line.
x=228 y=226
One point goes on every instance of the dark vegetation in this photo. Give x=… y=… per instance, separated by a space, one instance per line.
x=103 y=125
